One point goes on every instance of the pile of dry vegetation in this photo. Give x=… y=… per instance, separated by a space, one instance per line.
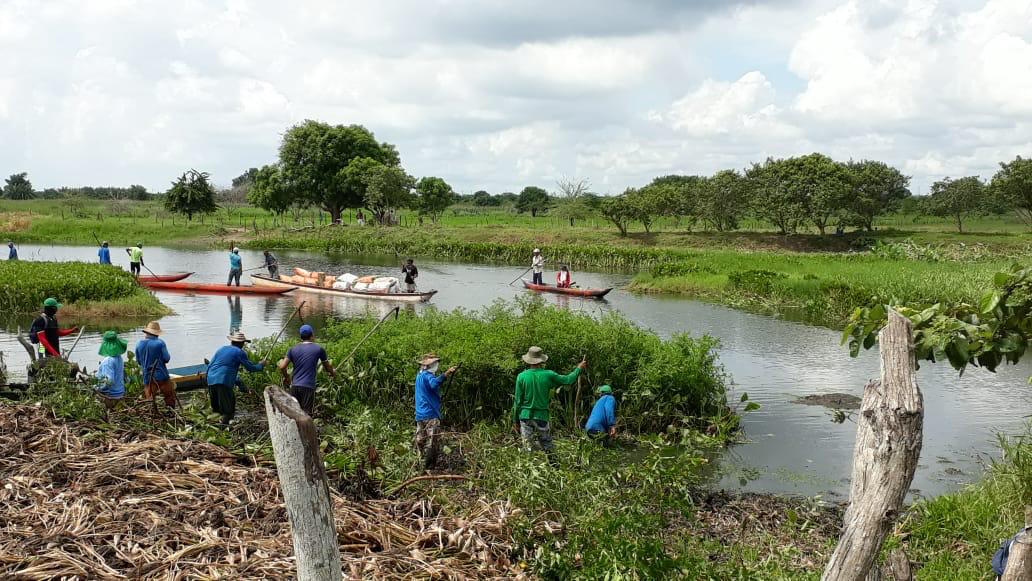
x=103 y=504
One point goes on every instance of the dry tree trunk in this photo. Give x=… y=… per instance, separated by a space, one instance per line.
x=1019 y=559
x=306 y=493
x=888 y=445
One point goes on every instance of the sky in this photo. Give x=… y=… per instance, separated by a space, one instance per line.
x=498 y=95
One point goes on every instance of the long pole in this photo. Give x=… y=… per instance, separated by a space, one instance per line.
x=74 y=343
x=283 y=328
x=393 y=311
x=520 y=276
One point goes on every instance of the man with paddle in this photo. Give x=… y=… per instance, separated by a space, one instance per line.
x=153 y=357
x=534 y=387
x=306 y=357
x=428 y=408
x=135 y=258
x=537 y=263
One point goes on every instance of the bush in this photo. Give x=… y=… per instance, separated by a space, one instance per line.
x=25 y=285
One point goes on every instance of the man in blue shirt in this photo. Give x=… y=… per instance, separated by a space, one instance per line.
x=222 y=375
x=104 y=253
x=306 y=357
x=12 y=253
x=428 y=408
x=236 y=267
x=602 y=421
x=152 y=355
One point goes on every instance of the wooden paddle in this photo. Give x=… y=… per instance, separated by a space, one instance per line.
x=296 y=312
x=395 y=311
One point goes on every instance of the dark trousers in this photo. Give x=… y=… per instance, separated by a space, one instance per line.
x=134 y=267
x=539 y=278
x=273 y=271
x=305 y=397
x=223 y=401
x=234 y=273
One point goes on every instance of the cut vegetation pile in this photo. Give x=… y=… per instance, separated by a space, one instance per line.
x=81 y=503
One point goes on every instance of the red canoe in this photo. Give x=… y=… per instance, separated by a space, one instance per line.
x=174 y=277
x=596 y=293
x=216 y=288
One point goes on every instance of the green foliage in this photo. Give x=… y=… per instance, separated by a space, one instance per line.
x=484 y=199
x=24 y=285
x=191 y=194
x=18 y=187
x=773 y=198
x=1012 y=186
x=434 y=196
x=387 y=188
x=532 y=199
x=724 y=200
x=877 y=189
x=957 y=198
x=133 y=192
x=619 y=211
x=269 y=192
x=756 y=281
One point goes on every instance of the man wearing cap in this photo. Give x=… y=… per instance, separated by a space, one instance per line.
x=12 y=252
x=537 y=262
x=428 y=407
x=534 y=387
x=411 y=274
x=601 y=423
x=222 y=375
x=306 y=357
x=236 y=267
x=111 y=373
x=45 y=331
x=152 y=355
x=104 y=253
x=135 y=258
x=272 y=264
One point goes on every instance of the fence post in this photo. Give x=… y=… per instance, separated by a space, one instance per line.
x=888 y=446
x=306 y=493
x=1019 y=559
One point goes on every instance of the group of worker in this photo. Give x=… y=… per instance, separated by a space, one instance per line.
x=537 y=264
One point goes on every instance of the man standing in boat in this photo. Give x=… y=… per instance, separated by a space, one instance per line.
x=236 y=267
x=562 y=278
x=135 y=258
x=272 y=264
x=306 y=357
x=411 y=274
x=537 y=263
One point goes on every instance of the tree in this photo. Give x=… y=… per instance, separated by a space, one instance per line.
x=138 y=192
x=824 y=184
x=388 y=187
x=644 y=205
x=877 y=189
x=724 y=199
x=773 y=197
x=676 y=196
x=435 y=195
x=618 y=211
x=532 y=199
x=573 y=209
x=191 y=194
x=245 y=178
x=956 y=198
x=18 y=187
x=313 y=158
x=482 y=198
x=268 y=191
x=573 y=191
x=1012 y=187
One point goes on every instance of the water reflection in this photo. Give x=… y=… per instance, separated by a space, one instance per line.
x=236 y=314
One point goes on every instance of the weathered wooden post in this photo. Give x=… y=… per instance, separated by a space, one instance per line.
x=1019 y=558
x=888 y=445
x=306 y=493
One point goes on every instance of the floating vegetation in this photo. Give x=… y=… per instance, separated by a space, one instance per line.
x=24 y=285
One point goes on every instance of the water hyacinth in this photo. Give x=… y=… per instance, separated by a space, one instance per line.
x=24 y=285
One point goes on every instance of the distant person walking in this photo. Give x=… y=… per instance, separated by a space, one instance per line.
x=152 y=355
x=236 y=267
x=222 y=375
x=306 y=357
x=272 y=264
x=537 y=262
x=12 y=252
x=104 y=253
x=135 y=258
x=411 y=274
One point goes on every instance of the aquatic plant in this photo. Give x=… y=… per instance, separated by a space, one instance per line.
x=24 y=285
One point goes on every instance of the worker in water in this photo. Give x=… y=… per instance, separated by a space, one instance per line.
x=272 y=264
x=534 y=387
x=135 y=258
x=306 y=357
x=537 y=263
x=601 y=423
x=428 y=408
x=236 y=267
x=153 y=357
x=222 y=375
x=562 y=278
x=46 y=333
x=104 y=253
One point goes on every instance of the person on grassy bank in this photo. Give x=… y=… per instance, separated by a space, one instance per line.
x=104 y=253
x=236 y=267
x=46 y=332
x=534 y=387
x=272 y=264
x=537 y=263
x=153 y=357
x=111 y=373
x=428 y=408
x=306 y=357
x=601 y=423
x=222 y=375
x=135 y=258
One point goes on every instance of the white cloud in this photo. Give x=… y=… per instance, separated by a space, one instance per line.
x=729 y=109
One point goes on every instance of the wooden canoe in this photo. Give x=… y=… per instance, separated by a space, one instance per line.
x=594 y=293
x=174 y=277
x=216 y=288
x=189 y=377
x=260 y=280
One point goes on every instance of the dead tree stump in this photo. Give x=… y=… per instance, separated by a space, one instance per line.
x=888 y=446
x=1019 y=557
x=306 y=492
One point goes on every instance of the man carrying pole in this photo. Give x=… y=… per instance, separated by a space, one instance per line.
x=272 y=264
x=104 y=253
x=428 y=408
x=236 y=267
x=222 y=375
x=534 y=387
x=306 y=357
x=537 y=262
x=135 y=258
x=153 y=357
x=46 y=332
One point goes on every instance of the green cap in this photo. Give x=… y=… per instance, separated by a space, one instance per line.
x=605 y=389
x=113 y=346
x=52 y=302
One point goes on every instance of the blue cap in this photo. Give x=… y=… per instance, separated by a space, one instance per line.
x=306 y=331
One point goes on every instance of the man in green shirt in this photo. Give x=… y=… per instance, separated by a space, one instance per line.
x=534 y=387
x=135 y=258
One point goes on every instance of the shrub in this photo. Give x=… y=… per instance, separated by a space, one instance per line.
x=25 y=285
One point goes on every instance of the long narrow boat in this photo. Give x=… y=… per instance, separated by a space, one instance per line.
x=594 y=293
x=173 y=277
x=260 y=280
x=189 y=377
x=221 y=289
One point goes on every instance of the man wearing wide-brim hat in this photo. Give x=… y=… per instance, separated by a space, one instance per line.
x=222 y=375
x=152 y=356
x=428 y=407
x=534 y=387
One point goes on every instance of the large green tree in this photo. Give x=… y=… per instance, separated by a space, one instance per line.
x=191 y=194
x=878 y=188
x=532 y=199
x=268 y=191
x=676 y=196
x=724 y=199
x=773 y=197
x=824 y=184
x=434 y=196
x=619 y=211
x=18 y=187
x=314 y=156
x=957 y=199
x=388 y=188
x=482 y=198
x=1012 y=187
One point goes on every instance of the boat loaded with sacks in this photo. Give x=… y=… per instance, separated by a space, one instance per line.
x=384 y=288
x=595 y=293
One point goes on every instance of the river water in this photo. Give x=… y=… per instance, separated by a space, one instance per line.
x=790 y=448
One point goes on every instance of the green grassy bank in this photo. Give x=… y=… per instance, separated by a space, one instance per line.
x=86 y=291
